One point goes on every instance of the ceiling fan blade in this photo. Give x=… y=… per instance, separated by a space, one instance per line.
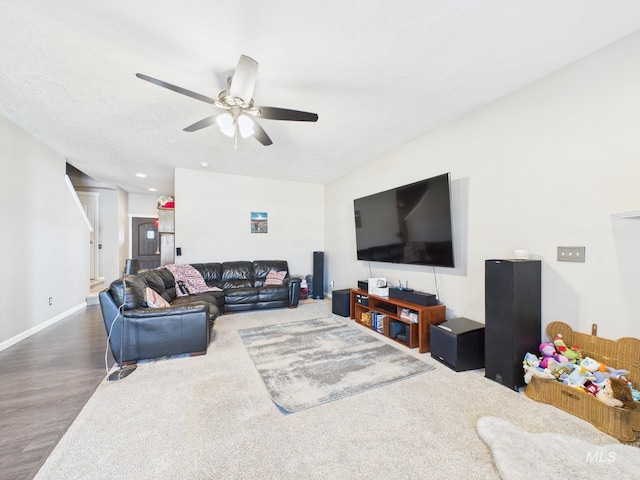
x=274 y=113
x=183 y=91
x=261 y=135
x=244 y=78
x=205 y=122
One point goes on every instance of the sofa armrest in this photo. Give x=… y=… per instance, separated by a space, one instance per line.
x=294 y=290
x=160 y=332
x=186 y=309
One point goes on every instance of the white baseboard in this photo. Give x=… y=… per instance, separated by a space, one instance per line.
x=27 y=333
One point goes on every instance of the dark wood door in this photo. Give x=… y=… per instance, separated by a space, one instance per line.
x=145 y=242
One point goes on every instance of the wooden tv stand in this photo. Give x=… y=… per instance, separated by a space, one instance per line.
x=392 y=308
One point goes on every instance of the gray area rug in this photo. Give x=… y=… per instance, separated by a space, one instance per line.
x=308 y=363
x=522 y=455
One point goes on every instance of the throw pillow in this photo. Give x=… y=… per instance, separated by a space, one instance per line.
x=275 y=278
x=154 y=299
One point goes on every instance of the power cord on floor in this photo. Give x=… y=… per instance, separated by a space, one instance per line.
x=106 y=352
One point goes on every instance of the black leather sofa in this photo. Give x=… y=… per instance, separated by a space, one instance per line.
x=243 y=285
x=185 y=325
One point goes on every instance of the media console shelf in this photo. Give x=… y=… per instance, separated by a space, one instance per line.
x=399 y=311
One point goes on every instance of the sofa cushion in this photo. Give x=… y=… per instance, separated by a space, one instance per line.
x=211 y=273
x=241 y=296
x=169 y=292
x=270 y=293
x=237 y=275
x=153 y=279
x=130 y=297
x=166 y=276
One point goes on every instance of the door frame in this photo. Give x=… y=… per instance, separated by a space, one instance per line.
x=94 y=250
x=131 y=217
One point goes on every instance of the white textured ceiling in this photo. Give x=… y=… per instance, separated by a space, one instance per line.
x=378 y=73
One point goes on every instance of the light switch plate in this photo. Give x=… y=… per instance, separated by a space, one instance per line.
x=571 y=254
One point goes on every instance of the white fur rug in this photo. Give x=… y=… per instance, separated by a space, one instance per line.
x=522 y=455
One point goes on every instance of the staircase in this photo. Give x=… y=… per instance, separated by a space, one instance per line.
x=95 y=286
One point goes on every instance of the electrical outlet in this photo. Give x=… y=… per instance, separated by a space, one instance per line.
x=50 y=300
x=571 y=254
x=331 y=284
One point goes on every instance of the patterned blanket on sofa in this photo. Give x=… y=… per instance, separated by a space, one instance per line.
x=190 y=278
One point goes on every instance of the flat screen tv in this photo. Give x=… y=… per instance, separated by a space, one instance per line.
x=410 y=224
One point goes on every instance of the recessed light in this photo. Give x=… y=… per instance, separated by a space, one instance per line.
x=152 y=189
x=141 y=175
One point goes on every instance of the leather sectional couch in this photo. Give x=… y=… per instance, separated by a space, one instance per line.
x=184 y=326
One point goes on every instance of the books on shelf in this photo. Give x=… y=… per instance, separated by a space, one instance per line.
x=409 y=314
x=377 y=321
x=366 y=318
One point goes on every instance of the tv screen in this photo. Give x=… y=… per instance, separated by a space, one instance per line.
x=410 y=224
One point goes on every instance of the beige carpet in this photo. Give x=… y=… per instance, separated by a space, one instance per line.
x=211 y=417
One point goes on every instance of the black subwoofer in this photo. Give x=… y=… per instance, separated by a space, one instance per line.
x=512 y=318
x=458 y=343
x=341 y=302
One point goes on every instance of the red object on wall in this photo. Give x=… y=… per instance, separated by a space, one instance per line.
x=155 y=222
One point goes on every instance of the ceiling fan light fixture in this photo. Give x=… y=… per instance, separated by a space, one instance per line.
x=238 y=103
x=245 y=125
x=225 y=122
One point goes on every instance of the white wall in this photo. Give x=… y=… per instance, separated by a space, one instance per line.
x=44 y=240
x=213 y=219
x=143 y=205
x=544 y=167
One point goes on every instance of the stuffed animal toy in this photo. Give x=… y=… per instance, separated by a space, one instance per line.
x=549 y=352
x=601 y=371
x=531 y=360
x=634 y=393
x=573 y=353
x=616 y=393
x=530 y=372
x=590 y=364
x=560 y=370
x=531 y=365
x=578 y=377
x=591 y=389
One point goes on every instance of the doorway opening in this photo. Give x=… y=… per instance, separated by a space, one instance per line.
x=145 y=242
x=90 y=202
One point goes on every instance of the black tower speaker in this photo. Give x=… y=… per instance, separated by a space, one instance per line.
x=512 y=318
x=318 y=275
x=341 y=302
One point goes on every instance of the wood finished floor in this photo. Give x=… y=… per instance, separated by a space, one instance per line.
x=45 y=381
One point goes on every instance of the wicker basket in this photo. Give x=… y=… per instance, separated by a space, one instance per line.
x=623 y=354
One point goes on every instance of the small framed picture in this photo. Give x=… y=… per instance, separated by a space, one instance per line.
x=259 y=222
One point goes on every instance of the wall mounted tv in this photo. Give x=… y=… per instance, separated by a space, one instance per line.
x=410 y=224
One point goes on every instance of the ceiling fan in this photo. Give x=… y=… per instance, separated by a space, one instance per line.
x=239 y=116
